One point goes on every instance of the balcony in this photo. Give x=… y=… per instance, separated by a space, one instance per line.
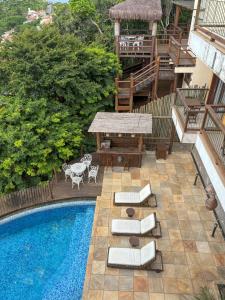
x=210 y=145
x=210 y=19
x=134 y=45
x=213 y=130
x=188 y=112
x=180 y=54
x=179 y=33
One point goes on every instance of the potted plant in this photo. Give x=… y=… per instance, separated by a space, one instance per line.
x=205 y=294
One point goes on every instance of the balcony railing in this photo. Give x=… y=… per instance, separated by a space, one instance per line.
x=180 y=54
x=210 y=18
x=134 y=45
x=213 y=130
x=190 y=104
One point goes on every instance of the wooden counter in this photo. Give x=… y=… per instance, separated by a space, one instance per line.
x=119 y=156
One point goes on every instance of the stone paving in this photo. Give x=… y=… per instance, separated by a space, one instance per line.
x=192 y=258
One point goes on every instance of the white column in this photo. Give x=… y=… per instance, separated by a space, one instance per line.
x=117 y=28
x=154 y=29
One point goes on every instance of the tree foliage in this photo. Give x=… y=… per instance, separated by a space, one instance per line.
x=13 y=12
x=54 y=79
x=59 y=67
x=35 y=138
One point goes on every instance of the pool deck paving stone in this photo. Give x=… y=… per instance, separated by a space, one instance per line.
x=192 y=258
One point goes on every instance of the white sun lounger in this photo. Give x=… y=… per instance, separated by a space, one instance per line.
x=148 y=226
x=129 y=258
x=135 y=198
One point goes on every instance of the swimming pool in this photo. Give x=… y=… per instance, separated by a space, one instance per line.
x=43 y=252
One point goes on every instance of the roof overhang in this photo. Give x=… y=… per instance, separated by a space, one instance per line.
x=188 y=4
x=126 y=123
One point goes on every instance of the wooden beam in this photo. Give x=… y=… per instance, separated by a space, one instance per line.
x=98 y=140
x=156 y=77
x=210 y=34
x=131 y=92
x=177 y=15
x=140 y=143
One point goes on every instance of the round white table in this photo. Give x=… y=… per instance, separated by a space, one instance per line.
x=78 y=168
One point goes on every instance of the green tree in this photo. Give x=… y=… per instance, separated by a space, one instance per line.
x=13 y=12
x=59 y=67
x=86 y=9
x=35 y=138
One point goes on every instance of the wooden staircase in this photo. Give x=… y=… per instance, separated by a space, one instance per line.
x=135 y=84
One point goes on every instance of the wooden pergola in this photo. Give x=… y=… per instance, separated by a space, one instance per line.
x=119 y=137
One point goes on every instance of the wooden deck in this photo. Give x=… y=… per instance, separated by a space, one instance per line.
x=56 y=191
x=63 y=189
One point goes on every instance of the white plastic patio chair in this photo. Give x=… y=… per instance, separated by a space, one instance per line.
x=77 y=180
x=88 y=157
x=139 y=42
x=93 y=173
x=67 y=171
x=86 y=162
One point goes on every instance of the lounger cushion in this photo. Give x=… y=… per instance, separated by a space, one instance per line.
x=127 y=197
x=148 y=223
x=145 y=192
x=124 y=256
x=126 y=226
x=148 y=253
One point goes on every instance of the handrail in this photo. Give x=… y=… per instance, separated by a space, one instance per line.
x=147 y=67
x=214 y=116
x=197 y=89
x=183 y=96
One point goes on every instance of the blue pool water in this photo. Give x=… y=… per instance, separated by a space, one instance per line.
x=43 y=253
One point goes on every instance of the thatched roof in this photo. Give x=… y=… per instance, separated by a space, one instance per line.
x=146 y=10
x=122 y=123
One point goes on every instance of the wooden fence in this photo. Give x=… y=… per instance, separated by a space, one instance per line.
x=25 y=198
x=162 y=123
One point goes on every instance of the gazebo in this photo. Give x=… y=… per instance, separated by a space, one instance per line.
x=119 y=137
x=144 y=10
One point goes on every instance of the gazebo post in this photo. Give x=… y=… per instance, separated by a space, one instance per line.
x=98 y=141
x=154 y=33
x=117 y=34
x=177 y=15
x=140 y=143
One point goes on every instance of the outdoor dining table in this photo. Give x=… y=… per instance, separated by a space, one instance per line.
x=78 y=168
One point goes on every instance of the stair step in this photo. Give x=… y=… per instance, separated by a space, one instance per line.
x=124 y=101
x=119 y=96
x=123 y=108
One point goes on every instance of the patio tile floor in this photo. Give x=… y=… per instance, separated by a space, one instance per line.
x=192 y=258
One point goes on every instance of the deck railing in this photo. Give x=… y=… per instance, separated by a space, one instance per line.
x=26 y=198
x=180 y=54
x=190 y=104
x=163 y=36
x=134 y=45
x=210 y=18
x=213 y=130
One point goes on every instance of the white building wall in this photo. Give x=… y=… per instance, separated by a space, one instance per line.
x=212 y=170
x=202 y=75
x=206 y=51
